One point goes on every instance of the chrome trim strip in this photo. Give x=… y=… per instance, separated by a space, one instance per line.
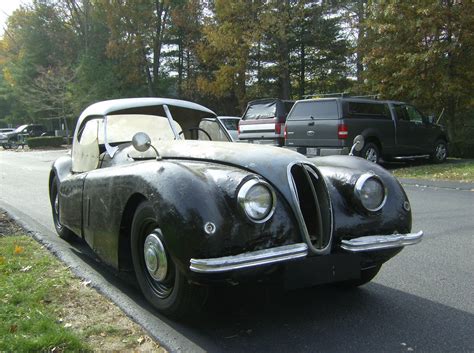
x=379 y=242
x=299 y=214
x=249 y=259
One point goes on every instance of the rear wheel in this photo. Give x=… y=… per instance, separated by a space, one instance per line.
x=440 y=152
x=366 y=275
x=370 y=152
x=161 y=282
x=62 y=231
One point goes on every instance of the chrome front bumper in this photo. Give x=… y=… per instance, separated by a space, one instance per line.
x=249 y=259
x=299 y=250
x=380 y=242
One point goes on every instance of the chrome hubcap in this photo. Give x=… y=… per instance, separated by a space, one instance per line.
x=441 y=152
x=155 y=257
x=56 y=211
x=56 y=204
x=371 y=155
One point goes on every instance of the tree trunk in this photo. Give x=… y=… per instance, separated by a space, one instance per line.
x=361 y=8
x=161 y=19
x=302 y=68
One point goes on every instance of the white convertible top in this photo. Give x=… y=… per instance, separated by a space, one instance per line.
x=114 y=106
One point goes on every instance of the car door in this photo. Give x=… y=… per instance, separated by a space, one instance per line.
x=412 y=134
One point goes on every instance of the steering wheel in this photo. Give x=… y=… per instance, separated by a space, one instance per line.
x=197 y=129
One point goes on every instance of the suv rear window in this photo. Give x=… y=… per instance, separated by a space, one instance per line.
x=373 y=110
x=268 y=109
x=260 y=111
x=315 y=110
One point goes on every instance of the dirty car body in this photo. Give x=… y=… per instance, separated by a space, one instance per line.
x=185 y=209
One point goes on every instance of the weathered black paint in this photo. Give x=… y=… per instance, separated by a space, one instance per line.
x=197 y=181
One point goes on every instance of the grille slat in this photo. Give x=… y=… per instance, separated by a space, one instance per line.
x=314 y=206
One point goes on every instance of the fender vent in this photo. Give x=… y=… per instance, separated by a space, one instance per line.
x=313 y=205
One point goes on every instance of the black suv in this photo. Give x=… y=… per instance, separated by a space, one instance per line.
x=390 y=129
x=17 y=137
x=264 y=120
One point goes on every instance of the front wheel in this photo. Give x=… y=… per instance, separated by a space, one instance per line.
x=440 y=152
x=161 y=282
x=62 y=231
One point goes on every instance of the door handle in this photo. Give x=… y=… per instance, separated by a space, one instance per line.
x=311 y=123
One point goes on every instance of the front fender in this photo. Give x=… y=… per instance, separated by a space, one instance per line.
x=186 y=196
x=61 y=168
x=351 y=220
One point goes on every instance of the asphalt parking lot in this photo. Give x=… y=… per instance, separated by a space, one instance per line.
x=421 y=300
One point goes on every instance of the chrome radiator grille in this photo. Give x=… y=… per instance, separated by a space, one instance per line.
x=313 y=206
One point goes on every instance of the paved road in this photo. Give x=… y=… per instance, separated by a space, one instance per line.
x=421 y=301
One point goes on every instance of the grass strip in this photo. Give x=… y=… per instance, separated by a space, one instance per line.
x=29 y=279
x=44 y=307
x=452 y=170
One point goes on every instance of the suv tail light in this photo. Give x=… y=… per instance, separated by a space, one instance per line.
x=238 y=128
x=278 y=128
x=285 y=132
x=342 y=131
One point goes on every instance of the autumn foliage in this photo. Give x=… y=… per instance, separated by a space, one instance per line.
x=57 y=56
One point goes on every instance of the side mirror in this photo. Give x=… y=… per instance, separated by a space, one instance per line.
x=141 y=141
x=357 y=144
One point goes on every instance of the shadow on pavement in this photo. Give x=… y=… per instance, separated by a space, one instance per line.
x=324 y=318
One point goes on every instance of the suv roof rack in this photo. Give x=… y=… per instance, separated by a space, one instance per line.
x=318 y=95
x=341 y=95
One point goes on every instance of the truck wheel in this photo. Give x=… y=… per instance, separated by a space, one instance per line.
x=160 y=280
x=62 y=231
x=440 y=152
x=370 y=152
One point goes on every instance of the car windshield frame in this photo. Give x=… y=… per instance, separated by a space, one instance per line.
x=20 y=128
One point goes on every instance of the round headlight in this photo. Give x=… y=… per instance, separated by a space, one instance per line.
x=257 y=199
x=371 y=192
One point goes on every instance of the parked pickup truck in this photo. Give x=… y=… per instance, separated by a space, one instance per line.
x=391 y=129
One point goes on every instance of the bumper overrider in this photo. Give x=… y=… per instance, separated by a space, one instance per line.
x=300 y=250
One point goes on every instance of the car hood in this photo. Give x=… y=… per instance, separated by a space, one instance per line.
x=270 y=162
x=12 y=133
x=8 y=134
x=267 y=161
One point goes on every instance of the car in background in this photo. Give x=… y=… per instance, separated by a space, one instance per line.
x=17 y=137
x=6 y=129
x=263 y=121
x=154 y=186
x=231 y=123
x=391 y=129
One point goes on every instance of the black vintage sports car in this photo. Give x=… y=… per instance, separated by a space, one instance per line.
x=154 y=185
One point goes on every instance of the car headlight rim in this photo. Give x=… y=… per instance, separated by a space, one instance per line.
x=244 y=203
x=359 y=190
